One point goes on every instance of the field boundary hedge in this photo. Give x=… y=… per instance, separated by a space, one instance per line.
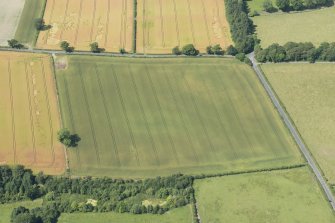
x=134 y=26
x=241 y=26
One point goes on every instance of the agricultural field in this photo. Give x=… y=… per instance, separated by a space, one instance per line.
x=162 y=25
x=81 y=22
x=296 y=27
x=29 y=113
x=9 y=18
x=26 y=31
x=180 y=215
x=307 y=92
x=141 y=118
x=6 y=209
x=288 y=196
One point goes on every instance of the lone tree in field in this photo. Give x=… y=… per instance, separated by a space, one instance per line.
x=64 y=45
x=190 y=50
x=68 y=139
x=95 y=48
x=13 y=43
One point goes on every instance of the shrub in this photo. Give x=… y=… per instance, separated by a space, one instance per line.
x=231 y=50
x=268 y=6
x=189 y=50
x=176 y=51
x=240 y=57
x=297 y=5
x=209 y=50
x=13 y=43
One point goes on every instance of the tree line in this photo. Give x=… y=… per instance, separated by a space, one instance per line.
x=292 y=51
x=64 y=194
x=295 y=5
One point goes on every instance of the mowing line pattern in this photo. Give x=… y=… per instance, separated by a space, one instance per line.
x=110 y=125
x=32 y=128
x=32 y=115
x=12 y=108
x=159 y=117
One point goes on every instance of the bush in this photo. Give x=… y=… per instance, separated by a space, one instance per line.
x=122 y=51
x=13 y=43
x=215 y=50
x=240 y=57
x=268 y=6
x=231 y=50
x=209 y=50
x=254 y=13
x=297 y=5
x=189 y=50
x=247 y=61
x=64 y=45
x=283 y=5
x=176 y=51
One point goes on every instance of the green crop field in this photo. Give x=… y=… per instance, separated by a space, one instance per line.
x=180 y=215
x=307 y=91
x=313 y=26
x=258 y=5
x=6 y=209
x=141 y=118
x=26 y=31
x=289 y=196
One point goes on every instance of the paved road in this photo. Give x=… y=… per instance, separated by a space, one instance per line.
x=294 y=132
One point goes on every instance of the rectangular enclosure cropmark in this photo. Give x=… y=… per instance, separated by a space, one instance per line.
x=28 y=113
x=140 y=117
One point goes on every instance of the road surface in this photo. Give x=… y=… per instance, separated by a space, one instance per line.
x=294 y=132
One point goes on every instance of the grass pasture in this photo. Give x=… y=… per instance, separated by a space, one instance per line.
x=296 y=27
x=6 y=209
x=307 y=92
x=26 y=32
x=81 y=22
x=180 y=215
x=141 y=118
x=289 y=196
x=28 y=113
x=9 y=18
x=162 y=25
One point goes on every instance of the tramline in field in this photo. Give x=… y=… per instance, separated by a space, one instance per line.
x=81 y=22
x=162 y=25
x=139 y=117
x=29 y=114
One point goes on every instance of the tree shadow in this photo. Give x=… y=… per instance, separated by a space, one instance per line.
x=75 y=139
x=46 y=27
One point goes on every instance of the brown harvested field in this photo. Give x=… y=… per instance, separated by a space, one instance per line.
x=29 y=114
x=81 y=22
x=164 y=24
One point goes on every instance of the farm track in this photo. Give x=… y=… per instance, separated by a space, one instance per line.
x=32 y=128
x=49 y=113
x=12 y=109
x=110 y=125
